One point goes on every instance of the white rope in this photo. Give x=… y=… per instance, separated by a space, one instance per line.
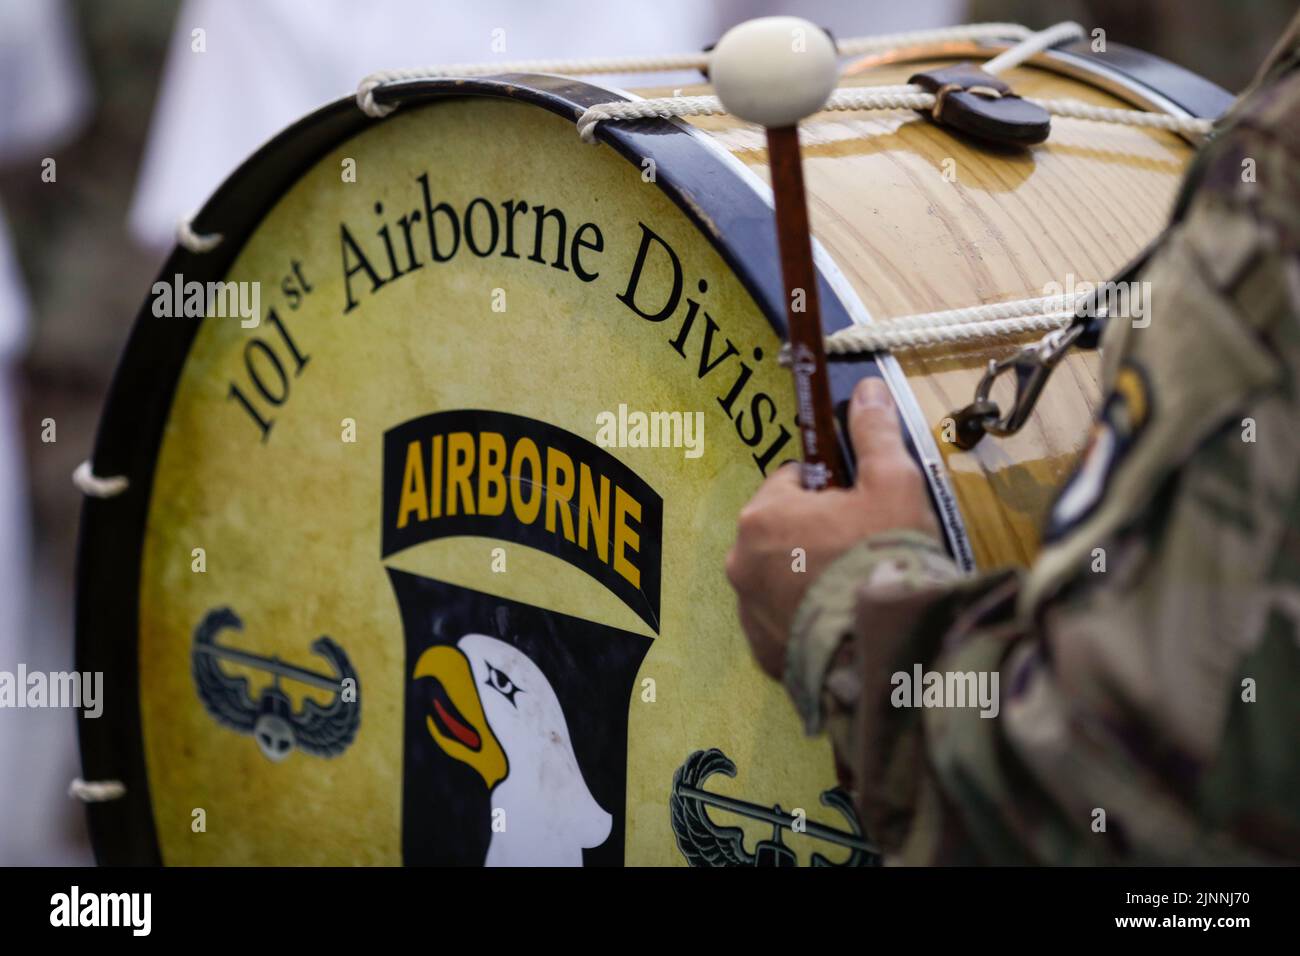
x=192 y=241
x=889 y=42
x=884 y=338
x=96 y=791
x=976 y=323
x=95 y=487
x=1012 y=309
x=852 y=46
x=1035 y=43
x=906 y=97
x=664 y=107
x=878 y=98
x=1072 y=109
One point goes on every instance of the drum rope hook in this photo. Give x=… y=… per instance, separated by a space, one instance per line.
x=1033 y=365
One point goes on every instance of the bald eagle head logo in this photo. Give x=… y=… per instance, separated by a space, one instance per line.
x=492 y=707
x=516 y=730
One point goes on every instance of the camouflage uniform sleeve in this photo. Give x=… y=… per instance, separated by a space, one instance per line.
x=879 y=609
x=1146 y=664
x=825 y=619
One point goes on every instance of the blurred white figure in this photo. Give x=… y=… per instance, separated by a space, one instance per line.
x=270 y=62
x=15 y=532
x=44 y=97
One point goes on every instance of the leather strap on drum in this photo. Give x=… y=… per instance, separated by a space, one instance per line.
x=977 y=103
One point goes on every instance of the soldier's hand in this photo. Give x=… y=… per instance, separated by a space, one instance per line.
x=888 y=494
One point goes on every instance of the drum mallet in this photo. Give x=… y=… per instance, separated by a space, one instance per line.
x=775 y=71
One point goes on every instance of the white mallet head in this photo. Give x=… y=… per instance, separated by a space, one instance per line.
x=774 y=71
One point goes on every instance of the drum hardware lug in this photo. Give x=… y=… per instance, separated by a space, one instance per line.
x=971 y=423
x=980 y=104
x=1032 y=366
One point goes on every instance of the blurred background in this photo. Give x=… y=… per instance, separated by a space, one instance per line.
x=117 y=119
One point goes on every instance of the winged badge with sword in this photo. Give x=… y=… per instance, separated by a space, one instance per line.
x=322 y=731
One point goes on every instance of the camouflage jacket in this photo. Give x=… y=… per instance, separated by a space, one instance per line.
x=1149 y=661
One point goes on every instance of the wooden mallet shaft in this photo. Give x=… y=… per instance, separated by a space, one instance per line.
x=821 y=457
x=775 y=71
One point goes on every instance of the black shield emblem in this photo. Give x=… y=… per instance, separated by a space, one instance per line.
x=515 y=730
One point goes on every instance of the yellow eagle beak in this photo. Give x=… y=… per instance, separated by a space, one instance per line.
x=456 y=720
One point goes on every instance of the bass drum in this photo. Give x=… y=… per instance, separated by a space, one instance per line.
x=419 y=556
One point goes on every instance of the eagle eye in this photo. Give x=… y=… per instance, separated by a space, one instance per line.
x=500 y=682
